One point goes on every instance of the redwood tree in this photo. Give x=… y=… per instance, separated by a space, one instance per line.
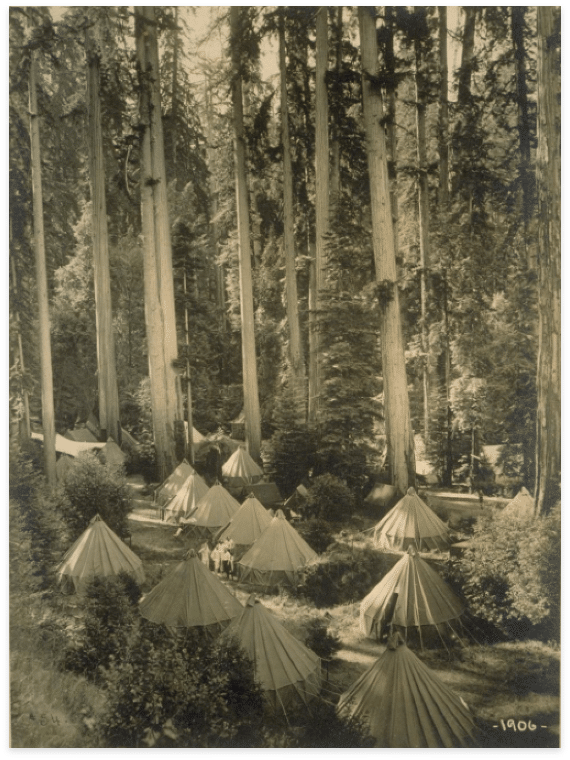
x=548 y=431
x=400 y=456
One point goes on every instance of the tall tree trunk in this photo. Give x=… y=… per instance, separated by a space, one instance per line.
x=190 y=416
x=250 y=389
x=322 y=187
x=548 y=428
x=219 y=273
x=400 y=455
x=48 y=416
x=174 y=104
x=295 y=346
x=159 y=287
x=443 y=125
x=467 y=51
x=443 y=146
x=107 y=373
x=391 y=134
x=335 y=188
x=423 y=213
x=525 y=174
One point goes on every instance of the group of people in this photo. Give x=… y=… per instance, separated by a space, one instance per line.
x=222 y=557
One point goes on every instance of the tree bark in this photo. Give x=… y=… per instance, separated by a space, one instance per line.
x=107 y=373
x=335 y=188
x=295 y=346
x=322 y=174
x=443 y=126
x=443 y=145
x=523 y=124
x=400 y=455
x=391 y=134
x=159 y=289
x=251 y=394
x=423 y=213
x=48 y=416
x=548 y=428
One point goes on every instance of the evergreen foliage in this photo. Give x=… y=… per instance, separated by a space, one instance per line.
x=93 y=488
x=329 y=499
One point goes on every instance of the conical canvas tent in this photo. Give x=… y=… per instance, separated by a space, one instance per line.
x=98 y=552
x=240 y=469
x=173 y=483
x=411 y=595
x=288 y=672
x=197 y=437
x=247 y=525
x=191 y=596
x=521 y=506
x=406 y=706
x=63 y=466
x=411 y=523
x=277 y=557
x=186 y=500
x=214 y=511
x=112 y=454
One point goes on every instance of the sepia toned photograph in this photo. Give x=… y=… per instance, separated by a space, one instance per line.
x=284 y=377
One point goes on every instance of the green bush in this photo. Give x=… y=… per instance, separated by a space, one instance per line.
x=181 y=692
x=342 y=576
x=111 y=616
x=34 y=518
x=324 y=727
x=317 y=533
x=93 y=488
x=320 y=641
x=510 y=575
x=329 y=498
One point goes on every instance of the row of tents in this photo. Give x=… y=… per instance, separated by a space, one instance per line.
x=399 y=698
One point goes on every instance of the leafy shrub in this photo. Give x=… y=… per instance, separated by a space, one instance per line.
x=181 y=692
x=93 y=488
x=329 y=498
x=510 y=575
x=320 y=641
x=110 y=618
x=323 y=727
x=342 y=575
x=34 y=518
x=317 y=533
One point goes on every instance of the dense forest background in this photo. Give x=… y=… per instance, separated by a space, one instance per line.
x=472 y=202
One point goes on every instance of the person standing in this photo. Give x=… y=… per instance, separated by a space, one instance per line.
x=204 y=554
x=216 y=557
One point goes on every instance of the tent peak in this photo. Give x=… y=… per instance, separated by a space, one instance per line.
x=394 y=640
x=190 y=554
x=411 y=491
x=252 y=601
x=411 y=551
x=279 y=514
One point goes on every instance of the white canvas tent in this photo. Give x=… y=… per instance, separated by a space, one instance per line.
x=173 y=483
x=406 y=706
x=247 y=524
x=411 y=523
x=65 y=446
x=277 y=557
x=288 y=672
x=98 y=552
x=214 y=511
x=191 y=596
x=184 y=503
x=411 y=595
x=241 y=470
